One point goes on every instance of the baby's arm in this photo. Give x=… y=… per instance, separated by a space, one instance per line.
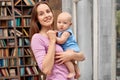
x=63 y=38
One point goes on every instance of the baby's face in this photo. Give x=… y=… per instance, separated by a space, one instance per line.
x=63 y=22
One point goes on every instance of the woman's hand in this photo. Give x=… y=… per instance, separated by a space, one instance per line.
x=63 y=56
x=67 y=56
x=51 y=35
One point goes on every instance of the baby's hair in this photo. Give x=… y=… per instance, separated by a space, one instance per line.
x=66 y=13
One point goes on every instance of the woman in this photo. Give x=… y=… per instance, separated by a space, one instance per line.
x=49 y=55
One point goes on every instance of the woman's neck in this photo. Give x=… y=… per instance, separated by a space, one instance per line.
x=44 y=31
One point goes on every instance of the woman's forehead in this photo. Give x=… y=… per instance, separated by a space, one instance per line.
x=42 y=7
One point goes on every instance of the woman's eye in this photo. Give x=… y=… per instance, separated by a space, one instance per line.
x=40 y=13
x=48 y=11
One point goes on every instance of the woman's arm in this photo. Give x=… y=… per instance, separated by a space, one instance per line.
x=45 y=59
x=69 y=55
x=48 y=61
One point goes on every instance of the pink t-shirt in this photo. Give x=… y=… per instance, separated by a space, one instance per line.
x=39 y=45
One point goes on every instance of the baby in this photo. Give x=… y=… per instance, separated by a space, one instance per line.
x=67 y=40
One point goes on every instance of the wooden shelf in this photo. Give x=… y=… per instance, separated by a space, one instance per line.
x=6 y=18
x=15 y=54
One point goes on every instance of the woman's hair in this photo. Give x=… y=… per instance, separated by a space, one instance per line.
x=35 y=25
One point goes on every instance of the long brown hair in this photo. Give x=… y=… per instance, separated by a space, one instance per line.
x=35 y=25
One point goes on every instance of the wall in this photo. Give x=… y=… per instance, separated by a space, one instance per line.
x=106 y=49
x=107 y=40
x=84 y=22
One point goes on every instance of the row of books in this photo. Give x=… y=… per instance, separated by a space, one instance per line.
x=4 y=32
x=22 y=22
x=27 y=2
x=8 y=62
x=12 y=52
x=7 y=52
x=23 y=71
x=23 y=42
x=5 y=72
x=7 y=42
x=5 y=11
x=3 y=43
x=19 y=22
x=5 y=3
x=3 y=62
x=18 y=12
x=33 y=78
x=24 y=51
x=6 y=23
x=31 y=70
x=4 y=53
x=11 y=32
x=13 y=61
x=16 y=2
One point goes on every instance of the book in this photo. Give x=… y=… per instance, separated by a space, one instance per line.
x=35 y=70
x=12 y=72
x=10 y=13
x=18 y=22
x=3 y=11
x=25 y=32
x=14 y=52
x=22 y=71
x=20 y=52
x=33 y=3
x=27 y=2
x=28 y=70
x=11 y=42
x=5 y=32
x=20 y=42
x=17 y=12
x=8 y=3
x=17 y=2
x=18 y=33
x=6 y=54
x=3 y=72
x=1 y=63
x=26 y=52
x=3 y=3
x=1 y=54
x=6 y=71
x=27 y=42
x=1 y=32
x=10 y=23
x=3 y=23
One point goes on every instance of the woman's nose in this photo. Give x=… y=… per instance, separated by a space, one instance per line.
x=46 y=14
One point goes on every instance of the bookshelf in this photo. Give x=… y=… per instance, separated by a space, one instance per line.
x=16 y=60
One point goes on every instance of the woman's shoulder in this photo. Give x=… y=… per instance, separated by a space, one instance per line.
x=36 y=35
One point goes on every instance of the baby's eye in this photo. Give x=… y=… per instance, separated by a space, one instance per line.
x=65 y=22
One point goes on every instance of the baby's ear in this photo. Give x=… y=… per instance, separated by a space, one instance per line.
x=70 y=23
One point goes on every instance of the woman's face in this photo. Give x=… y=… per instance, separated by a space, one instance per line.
x=45 y=15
